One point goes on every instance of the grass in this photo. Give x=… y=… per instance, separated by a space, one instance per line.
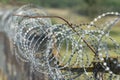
x=68 y=15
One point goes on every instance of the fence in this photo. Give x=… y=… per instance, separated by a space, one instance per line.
x=35 y=47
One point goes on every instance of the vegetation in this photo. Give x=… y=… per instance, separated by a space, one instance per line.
x=85 y=7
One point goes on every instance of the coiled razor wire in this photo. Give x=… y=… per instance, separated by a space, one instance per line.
x=64 y=51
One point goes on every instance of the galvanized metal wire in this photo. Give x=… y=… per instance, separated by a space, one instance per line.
x=64 y=51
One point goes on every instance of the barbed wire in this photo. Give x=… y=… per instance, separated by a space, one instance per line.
x=64 y=51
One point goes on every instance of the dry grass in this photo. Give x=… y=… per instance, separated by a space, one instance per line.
x=67 y=14
x=2 y=75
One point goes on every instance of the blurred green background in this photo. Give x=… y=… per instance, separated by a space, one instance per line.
x=75 y=11
x=89 y=8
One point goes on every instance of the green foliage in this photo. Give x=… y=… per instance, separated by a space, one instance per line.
x=4 y=1
x=85 y=7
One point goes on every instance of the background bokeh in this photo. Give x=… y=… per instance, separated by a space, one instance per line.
x=82 y=7
x=75 y=11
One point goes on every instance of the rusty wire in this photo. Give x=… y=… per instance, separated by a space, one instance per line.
x=41 y=43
